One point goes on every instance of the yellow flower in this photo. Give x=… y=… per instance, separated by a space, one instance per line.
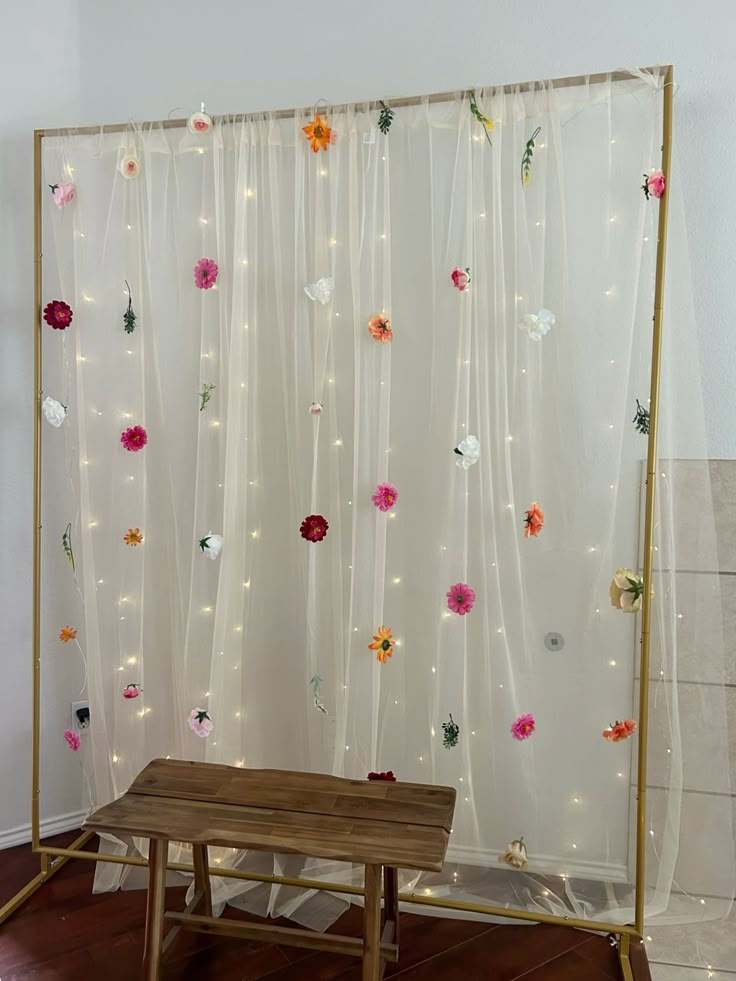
x=318 y=133
x=133 y=536
x=383 y=644
x=66 y=634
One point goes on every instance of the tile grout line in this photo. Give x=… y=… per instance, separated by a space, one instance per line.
x=463 y=943
x=551 y=960
x=694 y=967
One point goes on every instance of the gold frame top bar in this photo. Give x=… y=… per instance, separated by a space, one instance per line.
x=617 y=75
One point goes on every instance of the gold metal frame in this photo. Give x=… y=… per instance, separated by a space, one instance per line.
x=52 y=859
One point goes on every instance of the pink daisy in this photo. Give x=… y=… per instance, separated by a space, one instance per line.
x=460 y=598
x=205 y=274
x=384 y=496
x=72 y=739
x=134 y=439
x=523 y=727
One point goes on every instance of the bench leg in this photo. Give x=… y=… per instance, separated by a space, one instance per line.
x=158 y=850
x=391 y=900
x=372 y=924
x=202 y=878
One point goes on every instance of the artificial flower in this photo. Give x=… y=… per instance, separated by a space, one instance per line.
x=315 y=408
x=67 y=633
x=383 y=644
x=211 y=545
x=654 y=184
x=626 y=590
x=134 y=438
x=321 y=290
x=384 y=496
x=58 y=314
x=129 y=167
x=450 y=733
x=63 y=193
x=131 y=691
x=641 y=419
x=73 y=740
x=515 y=854
x=318 y=133
x=200 y=722
x=460 y=278
x=133 y=536
x=526 y=157
x=533 y=520
x=314 y=528
x=469 y=452
x=384 y=775
x=199 y=122
x=460 y=598
x=523 y=727
x=619 y=730
x=486 y=122
x=538 y=324
x=205 y=274
x=54 y=411
x=379 y=327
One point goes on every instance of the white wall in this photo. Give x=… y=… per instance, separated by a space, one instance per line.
x=145 y=59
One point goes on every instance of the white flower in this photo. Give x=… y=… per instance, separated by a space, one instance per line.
x=211 y=545
x=315 y=408
x=200 y=722
x=538 y=324
x=626 y=590
x=129 y=167
x=515 y=854
x=469 y=450
x=321 y=290
x=199 y=122
x=54 y=411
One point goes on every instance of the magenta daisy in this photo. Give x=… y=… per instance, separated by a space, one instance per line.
x=205 y=274
x=384 y=496
x=134 y=439
x=460 y=598
x=523 y=727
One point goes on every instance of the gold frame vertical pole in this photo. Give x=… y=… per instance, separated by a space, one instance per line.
x=646 y=608
x=37 y=381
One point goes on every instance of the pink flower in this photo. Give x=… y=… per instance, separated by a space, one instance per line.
x=460 y=598
x=460 y=278
x=523 y=727
x=63 y=193
x=205 y=274
x=314 y=527
x=384 y=496
x=129 y=167
x=654 y=184
x=199 y=122
x=134 y=439
x=72 y=739
x=131 y=691
x=200 y=722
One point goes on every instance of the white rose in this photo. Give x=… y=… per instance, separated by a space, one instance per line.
x=199 y=122
x=211 y=545
x=515 y=854
x=538 y=324
x=54 y=411
x=469 y=451
x=129 y=167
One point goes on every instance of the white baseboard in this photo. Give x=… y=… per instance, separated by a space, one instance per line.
x=49 y=827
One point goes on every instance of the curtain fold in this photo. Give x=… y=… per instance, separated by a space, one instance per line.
x=305 y=413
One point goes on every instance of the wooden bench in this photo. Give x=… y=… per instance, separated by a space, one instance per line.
x=382 y=825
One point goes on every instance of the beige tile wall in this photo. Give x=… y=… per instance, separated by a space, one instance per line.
x=700 y=683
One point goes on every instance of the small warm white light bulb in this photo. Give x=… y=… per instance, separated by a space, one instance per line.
x=203 y=221
x=396 y=580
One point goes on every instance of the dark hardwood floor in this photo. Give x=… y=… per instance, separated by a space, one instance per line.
x=64 y=933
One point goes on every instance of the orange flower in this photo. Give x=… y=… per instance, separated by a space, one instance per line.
x=133 y=537
x=619 y=730
x=534 y=520
x=318 y=133
x=380 y=328
x=67 y=633
x=383 y=644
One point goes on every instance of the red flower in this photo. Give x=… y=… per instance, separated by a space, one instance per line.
x=388 y=775
x=58 y=314
x=134 y=439
x=314 y=528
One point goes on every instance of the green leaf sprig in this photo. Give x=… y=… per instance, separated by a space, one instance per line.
x=129 y=317
x=450 y=733
x=641 y=419
x=482 y=119
x=205 y=395
x=526 y=158
x=66 y=542
x=385 y=118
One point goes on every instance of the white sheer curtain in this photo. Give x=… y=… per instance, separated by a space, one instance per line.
x=387 y=218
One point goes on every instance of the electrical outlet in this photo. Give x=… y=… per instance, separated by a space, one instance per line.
x=80 y=717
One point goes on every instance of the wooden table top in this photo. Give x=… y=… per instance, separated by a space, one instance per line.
x=406 y=825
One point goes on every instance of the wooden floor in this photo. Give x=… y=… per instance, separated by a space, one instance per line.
x=64 y=933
